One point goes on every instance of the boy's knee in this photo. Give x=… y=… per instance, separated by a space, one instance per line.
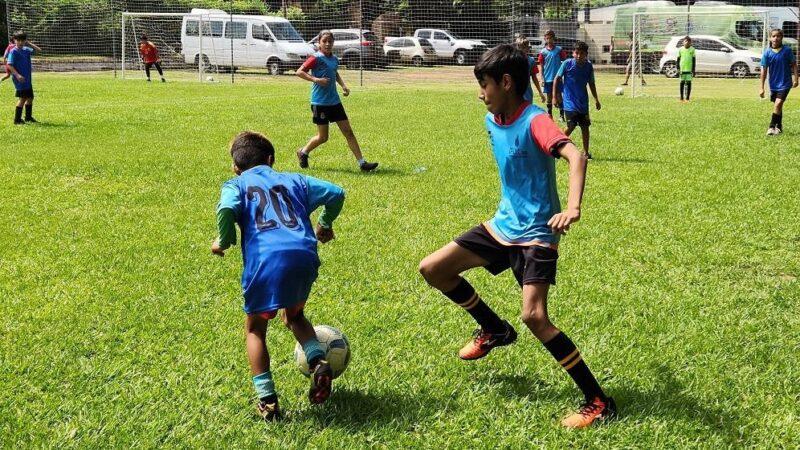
x=322 y=138
x=289 y=318
x=429 y=270
x=537 y=321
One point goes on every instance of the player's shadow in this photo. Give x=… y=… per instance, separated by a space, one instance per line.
x=669 y=399
x=601 y=159
x=379 y=172
x=351 y=409
x=49 y=125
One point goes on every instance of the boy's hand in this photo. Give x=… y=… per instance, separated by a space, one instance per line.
x=597 y=104
x=322 y=81
x=761 y=93
x=796 y=82
x=324 y=235
x=20 y=78
x=345 y=91
x=560 y=222
x=216 y=249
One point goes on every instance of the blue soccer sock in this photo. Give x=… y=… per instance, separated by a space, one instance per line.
x=313 y=352
x=265 y=387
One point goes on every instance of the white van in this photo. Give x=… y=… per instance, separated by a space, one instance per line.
x=258 y=41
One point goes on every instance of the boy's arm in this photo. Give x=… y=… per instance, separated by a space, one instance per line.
x=303 y=72
x=763 y=74
x=345 y=89
x=227 y=210
x=795 y=74
x=10 y=65
x=577 y=180
x=329 y=195
x=694 y=64
x=593 y=89
x=34 y=46
x=538 y=87
x=555 y=91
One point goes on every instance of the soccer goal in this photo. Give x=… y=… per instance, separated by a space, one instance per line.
x=184 y=41
x=728 y=43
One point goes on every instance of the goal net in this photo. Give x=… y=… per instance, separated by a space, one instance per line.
x=728 y=43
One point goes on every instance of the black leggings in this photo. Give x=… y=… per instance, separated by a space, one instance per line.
x=158 y=68
x=688 y=85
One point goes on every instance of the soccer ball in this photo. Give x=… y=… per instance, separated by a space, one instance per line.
x=335 y=345
x=619 y=90
x=210 y=78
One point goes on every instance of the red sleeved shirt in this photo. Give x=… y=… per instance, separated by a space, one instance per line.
x=149 y=52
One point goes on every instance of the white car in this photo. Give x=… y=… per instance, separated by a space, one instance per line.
x=409 y=49
x=448 y=45
x=256 y=41
x=714 y=55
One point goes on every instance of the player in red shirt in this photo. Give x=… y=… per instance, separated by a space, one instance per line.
x=11 y=45
x=149 y=54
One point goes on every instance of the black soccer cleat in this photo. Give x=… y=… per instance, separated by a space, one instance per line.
x=368 y=166
x=31 y=120
x=19 y=122
x=483 y=342
x=321 y=381
x=302 y=158
x=270 y=412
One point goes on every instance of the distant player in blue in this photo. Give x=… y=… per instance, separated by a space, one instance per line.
x=574 y=74
x=525 y=46
x=550 y=58
x=279 y=252
x=525 y=231
x=19 y=63
x=321 y=70
x=779 y=62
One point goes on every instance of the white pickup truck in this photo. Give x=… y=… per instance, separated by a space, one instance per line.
x=449 y=46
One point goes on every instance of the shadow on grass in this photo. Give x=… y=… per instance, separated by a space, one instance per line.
x=49 y=125
x=379 y=172
x=622 y=160
x=668 y=400
x=367 y=410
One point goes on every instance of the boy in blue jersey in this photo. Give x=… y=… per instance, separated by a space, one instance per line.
x=321 y=69
x=19 y=63
x=575 y=73
x=525 y=46
x=779 y=62
x=550 y=58
x=279 y=252
x=524 y=233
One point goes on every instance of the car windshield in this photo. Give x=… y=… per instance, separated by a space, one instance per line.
x=453 y=35
x=284 y=31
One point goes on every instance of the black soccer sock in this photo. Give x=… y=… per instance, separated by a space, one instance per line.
x=28 y=111
x=18 y=114
x=269 y=399
x=688 y=89
x=464 y=295
x=774 y=121
x=565 y=352
x=550 y=109
x=779 y=123
x=158 y=68
x=147 y=71
x=683 y=84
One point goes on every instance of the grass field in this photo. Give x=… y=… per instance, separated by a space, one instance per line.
x=118 y=328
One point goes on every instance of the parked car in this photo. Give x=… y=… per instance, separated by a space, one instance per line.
x=353 y=48
x=449 y=46
x=258 y=41
x=412 y=50
x=714 y=55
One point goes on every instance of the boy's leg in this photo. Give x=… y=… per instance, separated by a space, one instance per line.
x=570 y=128
x=158 y=68
x=352 y=142
x=256 y=333
x=779 y=113
x=688 y=89
x=442 y=269
x=321 y=372
x=29 y=110
x=682 y=86
x=18 y=111
x=585 y=136
x=550 y=104
x=147 y=70
x=320 y=138
x=534 y=314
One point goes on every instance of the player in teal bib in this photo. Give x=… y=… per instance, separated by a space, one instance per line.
x=687 y=62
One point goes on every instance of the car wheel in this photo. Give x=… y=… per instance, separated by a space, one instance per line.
x=274 y=67
x=460 y=57
x=670 y=69
x=417 y=61
x=740 y=70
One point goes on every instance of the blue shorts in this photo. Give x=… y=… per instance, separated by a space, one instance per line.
x=548 y=87
x=281 y=282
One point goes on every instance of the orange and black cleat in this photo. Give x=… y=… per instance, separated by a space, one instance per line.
x=482 y=342
x=590 y=412
x=321 y=380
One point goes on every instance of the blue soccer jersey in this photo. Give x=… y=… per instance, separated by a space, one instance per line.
x=779 y=65
x=279 y=246
x=20 y=59
x=550 y=59
x=322 y=66
x=574 y=78
x=524 y=149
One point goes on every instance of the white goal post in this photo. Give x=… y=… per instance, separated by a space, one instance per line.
x=169 y=42
x=652 y=31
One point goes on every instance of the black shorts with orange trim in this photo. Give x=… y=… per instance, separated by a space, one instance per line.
x=530 y=264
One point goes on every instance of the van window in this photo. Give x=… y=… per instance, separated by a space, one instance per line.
x=213 y=29
x=440 y=36
x=790 y=28
x=236 y=30
x=284 y=31
x=424 y=34
x=260 y=32
x=192 y=28
x=750 y=29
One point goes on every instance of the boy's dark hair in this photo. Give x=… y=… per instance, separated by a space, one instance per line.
x=501 y=60
x=776 y=30
x=324 y=33
x=143 y=37
x=581 y=46
x=550 y=33
x=687 y=38
x=250 y=149
x=20 y=36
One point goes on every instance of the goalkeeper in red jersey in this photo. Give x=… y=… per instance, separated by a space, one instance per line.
x=149 y=53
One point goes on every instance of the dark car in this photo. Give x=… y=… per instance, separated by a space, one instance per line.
x=353 y=49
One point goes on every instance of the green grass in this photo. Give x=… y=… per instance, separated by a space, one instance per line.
x=118 y=328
